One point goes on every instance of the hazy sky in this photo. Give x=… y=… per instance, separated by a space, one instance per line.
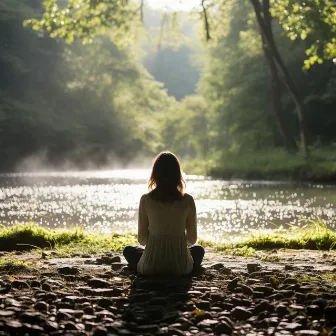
x=176 y=5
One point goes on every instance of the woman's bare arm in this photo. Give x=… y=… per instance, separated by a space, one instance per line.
x=142 y=222
x=192 y=223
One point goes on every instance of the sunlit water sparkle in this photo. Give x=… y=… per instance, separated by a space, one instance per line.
x=107 y=201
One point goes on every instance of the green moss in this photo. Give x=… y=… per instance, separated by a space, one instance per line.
x=315 y=235
x=29 y=236
x=15 y=267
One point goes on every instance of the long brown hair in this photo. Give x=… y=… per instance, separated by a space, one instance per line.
x=166 y=183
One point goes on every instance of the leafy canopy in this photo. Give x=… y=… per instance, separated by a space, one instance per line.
x=310 y=19
x=84 y=19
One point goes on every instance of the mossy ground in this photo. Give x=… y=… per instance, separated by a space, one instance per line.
x=65 y=241
x=314 y=235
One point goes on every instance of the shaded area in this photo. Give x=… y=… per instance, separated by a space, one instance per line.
x=156 y=301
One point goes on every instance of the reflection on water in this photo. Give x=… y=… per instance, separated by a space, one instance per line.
x=107 y=201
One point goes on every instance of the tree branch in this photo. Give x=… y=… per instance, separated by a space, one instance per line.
x=206 y=21
x=142 y=10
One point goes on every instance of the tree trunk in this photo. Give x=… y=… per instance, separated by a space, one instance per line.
x=206 y=21
x=287 y=139
x=284 y=72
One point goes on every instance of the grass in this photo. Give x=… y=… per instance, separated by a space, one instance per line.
x=65 y=241
x=275 y=165
x=314 y=235
x=15 y=267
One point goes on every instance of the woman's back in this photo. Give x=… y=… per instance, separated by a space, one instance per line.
x=168 y=218
x=165 y=228
x=166 y=223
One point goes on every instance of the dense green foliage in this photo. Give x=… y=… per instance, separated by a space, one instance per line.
x=313 y=19
x=135 y=88
x=71 y=102
x=236 y=86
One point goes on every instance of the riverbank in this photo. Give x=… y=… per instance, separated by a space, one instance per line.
x=275 y=165
x=314 y=235
x=57 y=282
x=232 y=295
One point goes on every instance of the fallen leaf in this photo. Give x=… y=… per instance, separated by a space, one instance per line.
x=198 y=312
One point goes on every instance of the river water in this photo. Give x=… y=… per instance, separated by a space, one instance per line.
x=107 y=201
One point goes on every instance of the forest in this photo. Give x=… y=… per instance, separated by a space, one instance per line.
x=237 y=89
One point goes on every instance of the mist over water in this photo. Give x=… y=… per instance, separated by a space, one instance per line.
x=107 y=201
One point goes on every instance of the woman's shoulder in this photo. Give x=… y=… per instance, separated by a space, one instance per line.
x=188 y=197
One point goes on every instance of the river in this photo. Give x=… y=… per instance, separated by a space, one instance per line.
x=107 y=201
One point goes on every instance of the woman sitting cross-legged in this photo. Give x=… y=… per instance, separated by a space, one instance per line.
x=166 y=224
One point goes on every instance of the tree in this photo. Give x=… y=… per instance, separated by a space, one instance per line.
x=263 y=19
x=72 y=103
x=91 y=18
x=275 y=82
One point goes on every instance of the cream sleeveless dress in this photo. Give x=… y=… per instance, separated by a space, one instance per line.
x=166 y=228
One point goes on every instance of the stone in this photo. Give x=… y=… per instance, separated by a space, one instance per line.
x=253 y=267
x=50 y=326
x=76 y=299
x=46 y=286
x=70 y=326
x=330 y=314
x=247 y=290
x=320 y=302
x=293 y=326
x=98 y=283
x=264 y=289
x=232 y=284
x=314 y=311
x=223 y=327
x=6 y=313
x=207 y=323
x=332 y=332
x=13 y=326
x=241 y=313
x=35 y=283
x=100 y=331
x=41 y=306
x=150 y=328
x=33 y=317
x=286 y=293
x=72 y=312
x=203 y=304
x=307 y=333
x=116 y=266
x=262 y=306
x=173 y=331
x=194 y=293
x=106 y=292
x=292 y=281
x=170 y=317
x=68 y=270
x=5 y=289
x=19 y=284
x=282 y=310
